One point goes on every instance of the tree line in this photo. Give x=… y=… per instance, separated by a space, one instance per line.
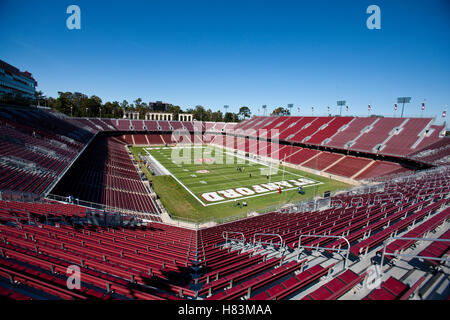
x=77 y=104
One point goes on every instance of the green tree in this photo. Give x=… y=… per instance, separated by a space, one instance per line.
x=280 y=111
x=217 y=116
x=244 y=112
x=228 y=117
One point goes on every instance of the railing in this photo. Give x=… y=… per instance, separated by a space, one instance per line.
x=399 y=254
x=337 y=203
x=99 y=206
x=281 y=244
x=324 y=248
x=225 y=236
x=7 y=195
x=210 y=219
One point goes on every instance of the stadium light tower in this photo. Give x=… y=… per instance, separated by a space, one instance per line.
x=226 y=108
x=340 y=104
x=264 y=107
x=403 y=100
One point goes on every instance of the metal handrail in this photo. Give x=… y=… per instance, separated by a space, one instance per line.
x=392 y=195
x=378 y=196
x=336 y=200
x=267 y=242
x=395 y=253
x=357 y=198
x=225 y=236
x=317 y=247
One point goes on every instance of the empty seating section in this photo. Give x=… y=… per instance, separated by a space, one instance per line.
x=151 y=125
x=265 y=131
x=262 y=123
x=229 y=126
x=140 y=139
x=436 y=249
x=431 y=136
x=97 y=123
x=137 y=125
x=189 y=126
x=105 y=174
x=285 y=124
x=109 y=124
x=420 y=231
x=349 y=166
x=381 y=168
x=169 y=138
x=323 y=160
x=158 y=258
x=248 y=124
x=380 y=131
x=403 y=142
x=38 y=241
x=349 y=132
x=13 y=210
x=283 y=151
x=124 y=125
x=409 y=219
x=209 y=127
x=18 y=180
x=145 y=263
x=295 y=127
x=436 y=153
x=35 y=148
x=154 y=139
x=176 y=125
x=304 y=134
x=414 y=134
x=164 y=125
x=337 y=287
x=293 y=284
x=328 y=131
x=391 y=289
x=301 y=155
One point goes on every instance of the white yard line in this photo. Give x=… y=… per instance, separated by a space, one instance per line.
x=234 y=199
x=187 y=189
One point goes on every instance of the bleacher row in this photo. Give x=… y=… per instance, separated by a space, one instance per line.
x=98 y=124
x=105 y=174
x=377 y=135
x=387 y=136
x=357 y=168
x=35 y=148
x=159 y=261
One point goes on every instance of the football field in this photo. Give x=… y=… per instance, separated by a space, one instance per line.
x=204 y=183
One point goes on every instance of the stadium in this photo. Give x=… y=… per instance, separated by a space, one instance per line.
x=94 y=193
x=157 y=205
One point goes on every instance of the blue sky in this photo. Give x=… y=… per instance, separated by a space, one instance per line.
x=309 y=53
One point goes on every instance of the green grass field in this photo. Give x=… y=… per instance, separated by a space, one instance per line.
x=200 y=191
